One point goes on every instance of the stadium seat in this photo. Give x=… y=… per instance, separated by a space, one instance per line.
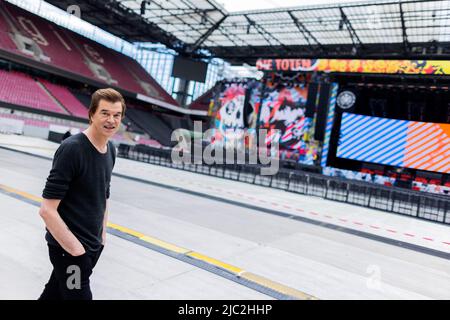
x=66 y=98
x=52 y=40
x=69 y=51
x=152 y=125
x=435 y=181
x=20 y=89
x=421 y=179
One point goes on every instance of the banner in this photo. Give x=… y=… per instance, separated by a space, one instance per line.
x=429 y=67
x=254 y=103
x=235 y=121
x=283 y=108
x=399 y=143
x=230 y=115
x=329 y=125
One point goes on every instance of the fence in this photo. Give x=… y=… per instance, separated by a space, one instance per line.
x=392 y=199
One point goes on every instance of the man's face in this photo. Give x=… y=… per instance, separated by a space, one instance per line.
x=106 y=120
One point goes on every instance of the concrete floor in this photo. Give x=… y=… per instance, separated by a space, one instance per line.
x=326 y=263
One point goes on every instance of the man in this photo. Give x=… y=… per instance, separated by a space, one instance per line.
x=74 y=208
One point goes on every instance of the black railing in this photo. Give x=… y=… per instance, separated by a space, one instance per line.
x=392 y=199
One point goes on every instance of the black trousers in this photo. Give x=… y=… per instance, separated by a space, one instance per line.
x=70 y=276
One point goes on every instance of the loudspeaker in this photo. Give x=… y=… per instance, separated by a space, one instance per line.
x=311 y=101
x=378 y=107
x=55 y=136
x=322 y=111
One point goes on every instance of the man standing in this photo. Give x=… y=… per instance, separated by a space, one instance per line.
x=74 y=208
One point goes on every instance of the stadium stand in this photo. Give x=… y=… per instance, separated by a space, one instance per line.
x=148 y=82
x=84 y=98
x=27 y=34
x=131 y=126
x=173 y=122
x=48 y=42
x=66 y=98
x=202 y=102
x=186 y=123
x=152 y=125
x=20 y=89
x=106 y=64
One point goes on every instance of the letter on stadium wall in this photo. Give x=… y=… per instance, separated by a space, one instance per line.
x=357 y=66
x=93 y=53
x=29 y=26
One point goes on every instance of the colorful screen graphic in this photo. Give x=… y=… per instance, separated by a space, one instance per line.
x=235 y=120
x=252 y=106
x=230 y=116
x=356 y=65
x=283 y=108
x=400 y=143
x=254 y=103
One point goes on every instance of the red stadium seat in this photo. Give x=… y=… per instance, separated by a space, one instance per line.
x=421 y=179
x=435 y=181
x=20 y=89
x=67 y=50
x=155 y=89
x=67 y=99
x=55 y=44
x=405 y=177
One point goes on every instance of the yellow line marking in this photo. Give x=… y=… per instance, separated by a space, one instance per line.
x=21 y=193
x=215 y=262
x=165 y=245
x=27 y=146
x=174 y=248
x=277 y=286
x=126 y=230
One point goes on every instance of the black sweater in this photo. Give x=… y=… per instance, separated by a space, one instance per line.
x=80 y=178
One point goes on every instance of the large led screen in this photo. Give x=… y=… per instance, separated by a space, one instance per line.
x=400 y=143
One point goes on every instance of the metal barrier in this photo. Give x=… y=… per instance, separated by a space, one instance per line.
x=392 y=199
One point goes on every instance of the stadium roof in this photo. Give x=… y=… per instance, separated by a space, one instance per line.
x=382 y=29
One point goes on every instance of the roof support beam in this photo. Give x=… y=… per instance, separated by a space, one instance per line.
x=264 y=33
x=305 y=32
x=406 y=46
x=187 y=12
x=355 y=39
x=233 y=42
x=206 y=35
